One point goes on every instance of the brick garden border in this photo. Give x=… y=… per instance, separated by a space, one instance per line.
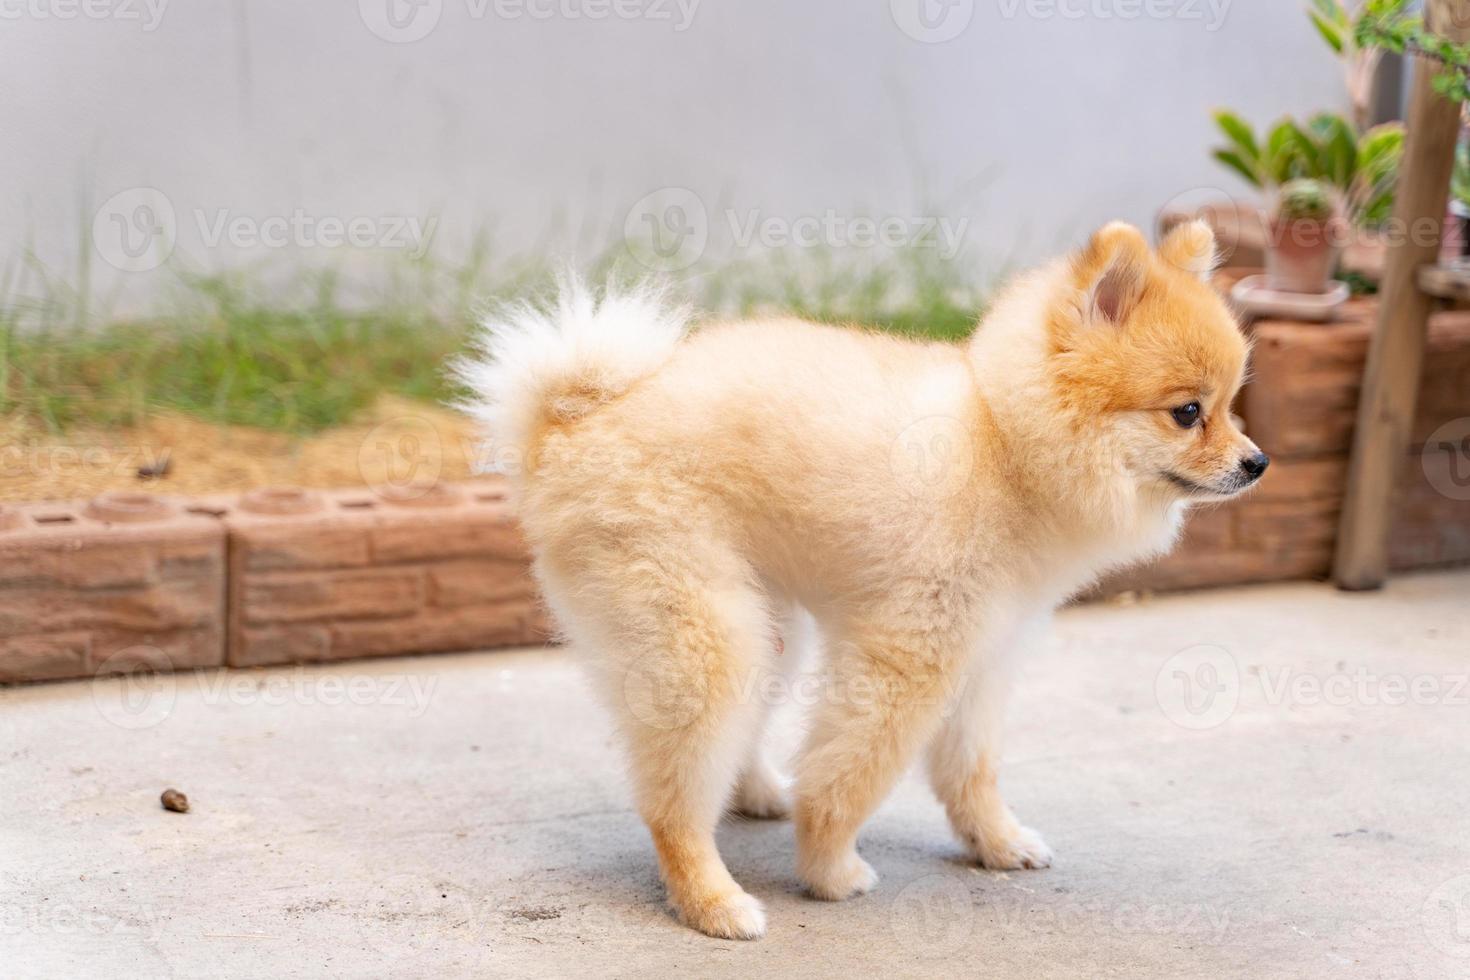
x=273 y=576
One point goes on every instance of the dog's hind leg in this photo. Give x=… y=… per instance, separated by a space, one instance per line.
x=762 y=792
x=679 y=637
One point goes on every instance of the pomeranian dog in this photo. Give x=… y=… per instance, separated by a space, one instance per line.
x=686 y=492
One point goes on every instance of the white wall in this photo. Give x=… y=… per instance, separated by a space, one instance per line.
x=1033 y=125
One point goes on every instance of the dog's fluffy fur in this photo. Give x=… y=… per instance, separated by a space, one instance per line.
x=928 y=504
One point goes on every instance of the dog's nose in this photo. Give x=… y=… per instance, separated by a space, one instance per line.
x=1255 y=465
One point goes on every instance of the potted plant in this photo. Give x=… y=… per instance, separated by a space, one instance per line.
x=1356 y=164
x=1361 y=168
x=1306 y=234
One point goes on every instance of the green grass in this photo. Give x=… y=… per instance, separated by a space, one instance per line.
x=235 y=357
x=312 y=352
x=913 y=292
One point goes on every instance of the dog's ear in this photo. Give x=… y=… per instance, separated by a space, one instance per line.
x=1111 y=273
x=1191 y=247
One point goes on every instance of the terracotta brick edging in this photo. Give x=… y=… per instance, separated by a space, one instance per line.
x=113 y=584
x=332 y=575
x=276 y=576
x=130 y=581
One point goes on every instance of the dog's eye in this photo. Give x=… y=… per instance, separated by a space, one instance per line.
x=1187 y=415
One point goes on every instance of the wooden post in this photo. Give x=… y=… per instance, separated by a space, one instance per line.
x=1396 y=353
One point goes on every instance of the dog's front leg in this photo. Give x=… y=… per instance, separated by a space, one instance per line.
x=964 y=762
x=883 y=699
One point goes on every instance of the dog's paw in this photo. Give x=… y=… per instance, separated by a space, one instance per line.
x=737 y=916
x=1021 y=848
x=762 y=795
x=843 y=878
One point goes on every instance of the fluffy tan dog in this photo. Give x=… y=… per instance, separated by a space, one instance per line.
x=928 y=504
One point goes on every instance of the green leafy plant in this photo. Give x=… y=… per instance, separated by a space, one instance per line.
x=1391 y=25
x=1363 y=168
x=1359 y=64
x=1304 y=199
x=1334 y=23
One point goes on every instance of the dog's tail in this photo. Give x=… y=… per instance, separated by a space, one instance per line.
x=556 y=362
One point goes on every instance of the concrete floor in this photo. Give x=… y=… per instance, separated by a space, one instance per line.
x=1301 y=815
